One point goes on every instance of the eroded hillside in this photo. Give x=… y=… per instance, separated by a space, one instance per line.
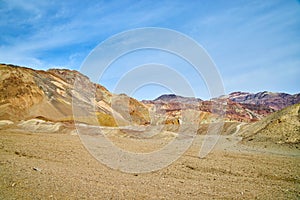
x=26 y=93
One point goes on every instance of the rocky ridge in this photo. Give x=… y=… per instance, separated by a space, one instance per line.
x=276 y=101
x=26 y=93
x=49 y=95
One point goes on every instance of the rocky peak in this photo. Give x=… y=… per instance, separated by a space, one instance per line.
x=177 y=98
x=276 y=101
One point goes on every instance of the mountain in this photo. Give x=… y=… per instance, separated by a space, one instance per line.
x=55 y=94
x=172 y=102
x=172 y=105
x=240 y=106
x=177 y=98
x=276 y=101
x=281 y=127
x=26 y=93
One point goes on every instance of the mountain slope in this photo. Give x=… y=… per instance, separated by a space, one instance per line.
x=276 y=101
x=26 y=93
x=281 y=127
x=172 y=105
x=176 y=98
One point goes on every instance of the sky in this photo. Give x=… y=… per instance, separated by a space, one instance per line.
x=255 y=45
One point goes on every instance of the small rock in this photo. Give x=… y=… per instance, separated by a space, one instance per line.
x=36 y=169
x=13 y=185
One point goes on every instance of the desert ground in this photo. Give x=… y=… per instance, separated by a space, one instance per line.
x=37 y=165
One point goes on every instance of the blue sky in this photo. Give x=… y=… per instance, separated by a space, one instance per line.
x=254 y=44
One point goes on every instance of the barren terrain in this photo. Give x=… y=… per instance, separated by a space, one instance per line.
x=42 y=156
x=38 y=165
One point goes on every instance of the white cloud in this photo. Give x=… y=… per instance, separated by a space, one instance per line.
x=249 y=37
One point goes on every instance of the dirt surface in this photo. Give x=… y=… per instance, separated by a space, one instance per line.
x=57 y=166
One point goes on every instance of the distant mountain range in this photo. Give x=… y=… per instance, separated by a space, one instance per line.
x=276 y=101
x=241 y=106
x=26 y=93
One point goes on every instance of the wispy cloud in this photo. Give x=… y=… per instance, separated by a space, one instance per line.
x=35 y=28
x=244 y=37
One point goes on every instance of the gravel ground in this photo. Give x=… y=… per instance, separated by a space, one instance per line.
x=57 y=166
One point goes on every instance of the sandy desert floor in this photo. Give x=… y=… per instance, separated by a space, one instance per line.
x=57 y=166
